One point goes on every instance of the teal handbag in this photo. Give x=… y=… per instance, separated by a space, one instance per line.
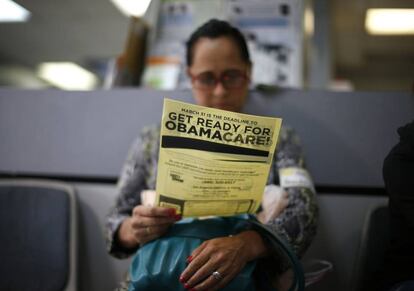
x=158 y=264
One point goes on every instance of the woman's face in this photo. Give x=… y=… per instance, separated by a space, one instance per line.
x=219 y=76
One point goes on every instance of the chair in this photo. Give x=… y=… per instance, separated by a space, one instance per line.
x=373 y=244
x=38 y=235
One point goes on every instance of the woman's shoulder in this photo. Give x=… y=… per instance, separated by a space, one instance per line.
x=288 y=134
x=286 y=129
x=150 y=131
x=148 y=137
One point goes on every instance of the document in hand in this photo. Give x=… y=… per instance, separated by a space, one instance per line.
x=213 y=162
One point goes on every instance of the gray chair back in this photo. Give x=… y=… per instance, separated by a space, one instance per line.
x=38 y=235
x=373 y=244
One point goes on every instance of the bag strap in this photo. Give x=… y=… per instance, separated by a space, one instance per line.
x=206 y=228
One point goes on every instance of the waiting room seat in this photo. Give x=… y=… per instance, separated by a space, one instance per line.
x=373 y=244
x=38 y=226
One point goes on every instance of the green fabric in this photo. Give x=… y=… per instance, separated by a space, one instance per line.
x=158 y=264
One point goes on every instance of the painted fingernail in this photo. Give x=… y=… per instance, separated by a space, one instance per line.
x=193 y=289
x=189 y=259
x=186 y=286
x=177 y=217
x=171 y=212
x=182 y=279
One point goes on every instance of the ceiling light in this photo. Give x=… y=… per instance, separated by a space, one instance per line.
x=390 y=21
x=135 y=8
x=12 y=12
x=309 y=21
x=67 y=76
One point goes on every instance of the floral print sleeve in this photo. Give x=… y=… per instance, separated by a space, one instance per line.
x=296 y=223
x=138 y=173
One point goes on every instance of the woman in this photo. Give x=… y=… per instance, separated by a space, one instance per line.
x=219 y=66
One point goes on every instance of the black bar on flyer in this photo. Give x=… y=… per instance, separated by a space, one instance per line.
x=208 y=146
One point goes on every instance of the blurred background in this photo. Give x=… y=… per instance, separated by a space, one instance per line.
x=82 y=136
x=354 y=45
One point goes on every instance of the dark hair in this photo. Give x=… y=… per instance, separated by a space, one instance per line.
x=215 y=28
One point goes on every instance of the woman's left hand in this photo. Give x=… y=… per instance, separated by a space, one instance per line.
x=225 y=255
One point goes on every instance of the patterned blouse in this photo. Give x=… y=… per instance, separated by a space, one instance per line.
x=296 y=223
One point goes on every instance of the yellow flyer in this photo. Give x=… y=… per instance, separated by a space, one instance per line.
x=213 y=162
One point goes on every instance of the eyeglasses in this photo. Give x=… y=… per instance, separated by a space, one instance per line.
x=230 y=79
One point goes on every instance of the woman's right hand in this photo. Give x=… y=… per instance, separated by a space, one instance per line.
x=146 y=223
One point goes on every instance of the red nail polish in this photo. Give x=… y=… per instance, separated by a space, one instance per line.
x=193 y=289
x=189 y=259
x=171 y=212
x=177 y=217
x=182 y=279
x=186 y=286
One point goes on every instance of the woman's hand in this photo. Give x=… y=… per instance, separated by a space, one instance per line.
x=225 y=255
x=146 y=223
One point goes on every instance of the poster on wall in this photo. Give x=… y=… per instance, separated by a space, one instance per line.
x=164 y=66
x=176 y=20
x=266 y=22
x=274 y=33
x=273 y=29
